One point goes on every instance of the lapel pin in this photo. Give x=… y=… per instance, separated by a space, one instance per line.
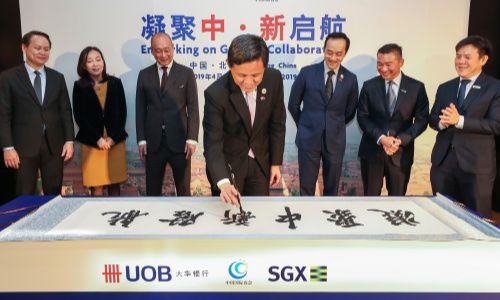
x=341 y=77
x=264 y=91
x=476 y=87
x=262 y=98
x=403 y=91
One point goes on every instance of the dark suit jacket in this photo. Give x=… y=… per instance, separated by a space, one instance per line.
x=496 y=186
x=228 y=133
x=319 y=113
x=475 y=143
x=22 y=118
x=92 y=119
x=409 y=119
x=176 y=107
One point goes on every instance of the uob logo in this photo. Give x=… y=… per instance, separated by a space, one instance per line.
x=238 y=269
x=136 y=273
x=148 y=273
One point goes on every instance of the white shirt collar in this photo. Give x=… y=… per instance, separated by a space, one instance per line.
x=32 y=71
x=254 y=93
x=397 y=80
x=473 y=78
x=328 y=69
x=169 y=66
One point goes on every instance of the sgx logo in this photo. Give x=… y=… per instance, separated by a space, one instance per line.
x=112 y=273
x=297 y=273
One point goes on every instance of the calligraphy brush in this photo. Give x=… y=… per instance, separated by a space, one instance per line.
x=242 y=212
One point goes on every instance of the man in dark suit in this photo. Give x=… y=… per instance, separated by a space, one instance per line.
x=329 y=93
x=7 y=178
x=36 y=124
x=393 y=110
x=167 y=118
x=466 y=114
x=244 y=123
x=496 y=186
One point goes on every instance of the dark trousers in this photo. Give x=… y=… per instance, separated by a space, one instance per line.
x=495 y=205
x=496 y=186
x=255 y=183
x=50 y=165
x=473 y=190
x=309 y=168
x=250 y=180
x=373 y=172
x=155 y=170
x=7 y=182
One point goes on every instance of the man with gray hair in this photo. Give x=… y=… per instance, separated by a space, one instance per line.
x=167 y=119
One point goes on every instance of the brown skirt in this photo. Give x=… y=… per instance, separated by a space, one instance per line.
x=103 y=167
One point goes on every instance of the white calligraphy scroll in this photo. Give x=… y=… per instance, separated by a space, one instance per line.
x=384 y=218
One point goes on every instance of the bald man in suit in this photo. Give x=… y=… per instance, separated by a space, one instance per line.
x=167 y=118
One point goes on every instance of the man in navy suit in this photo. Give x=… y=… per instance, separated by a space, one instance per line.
x=393 y=110
x=466 y=115
x=36 y=123
x=328 y=93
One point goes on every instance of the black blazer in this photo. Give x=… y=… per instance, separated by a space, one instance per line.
x=408 y=121
x=92 y=119
x=176 y=107
x=474 y=145
x=23 y=119
x=227 y=130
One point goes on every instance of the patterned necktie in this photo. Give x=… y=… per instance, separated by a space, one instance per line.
x=38 y=86
x=391 y=97
x=461 y=93
x=164 y=77
x=329 y=84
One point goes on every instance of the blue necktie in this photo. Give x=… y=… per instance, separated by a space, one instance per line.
x=461 y=93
